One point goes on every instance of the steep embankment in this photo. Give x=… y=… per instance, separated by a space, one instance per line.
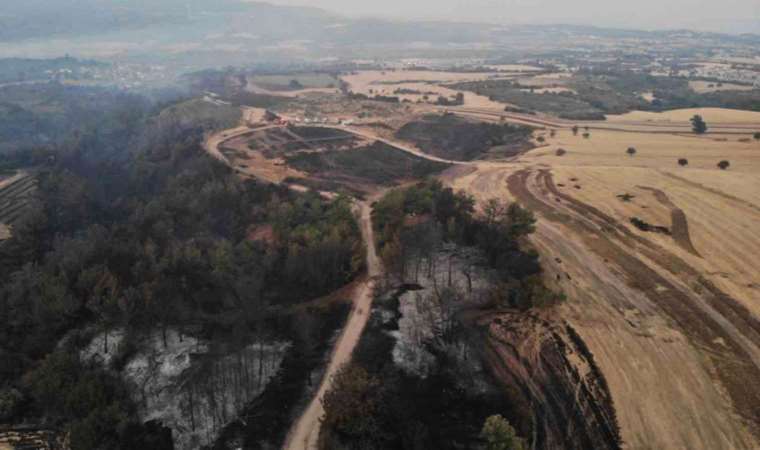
x=550 y=368
x=679 y=354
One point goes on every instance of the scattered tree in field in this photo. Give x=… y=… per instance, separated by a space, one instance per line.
x=553 y=133
x=561 y=152
x=724 y=164
x=631 y=151
x=541 y=139
x=499 y=435
x=698 y=124
x=575 y=130
x=683 y=162
x=757 y=136
x=586 y=135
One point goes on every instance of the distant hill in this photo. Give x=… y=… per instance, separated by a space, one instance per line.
x=224 y=32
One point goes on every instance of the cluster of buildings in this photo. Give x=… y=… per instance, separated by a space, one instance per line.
x=725 y=72
x=125 y=76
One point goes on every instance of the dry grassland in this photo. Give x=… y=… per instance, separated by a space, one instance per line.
x=385 y=83
x=606 y=148
x=672 y=320
x=711 y=115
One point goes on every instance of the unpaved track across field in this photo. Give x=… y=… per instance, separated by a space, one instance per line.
x=305 y=433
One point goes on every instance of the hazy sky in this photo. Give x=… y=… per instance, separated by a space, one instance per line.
x=717 y=15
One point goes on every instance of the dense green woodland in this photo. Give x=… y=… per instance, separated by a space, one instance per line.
x=135 y=226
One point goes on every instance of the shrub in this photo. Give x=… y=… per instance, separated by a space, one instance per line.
x=757 y=136
x=500 y=435
x=561 y=152
x=586 y=135
x=724 y=165
x=631 y=151
x=683 y=162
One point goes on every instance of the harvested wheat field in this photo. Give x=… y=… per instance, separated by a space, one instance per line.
x=670 y=314
x=424 y=83
x=658 y=151
x=711 y=115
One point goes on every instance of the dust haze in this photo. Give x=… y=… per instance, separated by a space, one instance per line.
x=731 y=16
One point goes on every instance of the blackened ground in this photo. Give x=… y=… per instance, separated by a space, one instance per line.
x=266 y=421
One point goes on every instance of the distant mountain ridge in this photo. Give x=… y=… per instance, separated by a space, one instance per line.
x=41 y=18
x=227 y=31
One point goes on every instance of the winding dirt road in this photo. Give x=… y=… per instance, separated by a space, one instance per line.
x=680 y=355
x=305 y=433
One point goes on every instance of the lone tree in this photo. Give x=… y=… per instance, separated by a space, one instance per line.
x=499 y=435
x=724 y=164
x=683 y=162
x=698 y=124
x=631 y=151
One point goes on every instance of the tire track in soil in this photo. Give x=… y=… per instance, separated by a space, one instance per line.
x=709 y=318
x=679 y=224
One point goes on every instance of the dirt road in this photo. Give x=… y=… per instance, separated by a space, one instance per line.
x=305 y=433
x=213 y=142
x=680 y=353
